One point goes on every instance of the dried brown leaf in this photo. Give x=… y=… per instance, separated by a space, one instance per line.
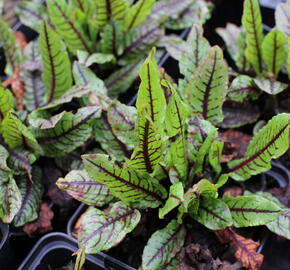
x=42 y=224
x=236 y=143
x=245 y=248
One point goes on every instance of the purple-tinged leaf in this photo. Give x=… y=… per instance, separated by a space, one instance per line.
x=101 y=230
x=70 y=132
x=127 y=184
x=81 y=187
x=10 y=197
x=122 y=119
x=31 y=193
x=271 y=87
x=163 y=246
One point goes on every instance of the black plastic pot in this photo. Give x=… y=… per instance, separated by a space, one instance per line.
x=4 y=228
x=54 y=250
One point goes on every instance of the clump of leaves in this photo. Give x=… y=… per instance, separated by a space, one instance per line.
x=176 y=144
x=56 y=100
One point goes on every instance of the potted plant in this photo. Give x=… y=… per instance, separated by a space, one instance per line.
x=176 y=160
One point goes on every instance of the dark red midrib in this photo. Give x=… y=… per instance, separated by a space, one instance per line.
x=253 y=157
x=135 y=16
x=53 y=77
x=154 y=195
x=256 y=37
x=81 y=5
x=24 y=200
x=150 y=93
x=211 y=213
x=114 y=49
x=251 y=210
x=73 y=27
x=274 y=54
x=145 y=150
x=207 y=89
x=112 y=220
x=109 y=9
x=49 y=139
x=196 y=48
x=137 y=42
x=165 y=245
x=122 y=145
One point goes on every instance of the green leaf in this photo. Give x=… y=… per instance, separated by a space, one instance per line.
x=86 y=6
x=213 y=213
x=175 y=46
x=103 y=230
x=10 y=198
x=198 y=131
x=31 y=74
x=151 y=108
x=163 y=246
x=205 y=188
x=164 y=9
x=270 y=142
x=70 y=132
x=31 y=193
x=122 y=119
x=176 y=115
x=85 y=77
x=242 y=88
x=138 y=13
x=288 y=61
x=252 y=22
x=81 y=257
x=215 y=155
x=222 y=180
x=16 y=134
x=230 y=36
x=43 y=119
x=235 y=39
x=31 y=14
x=203 y=151
x=270 y=87
x=112 y=38
x=95 y=58
x=122 y=79
x=273 y=51
x=151 y=99
x=12 y=52
x=69 y=29
x=108 y=9
x=207 y=92
x=281 y=225
x=282 y=17
x=6 y=102
x=109 y=140
x=175 y=198
x=199 y=48
x=197 y=13
x=57 y=69
x=127 y=184
x=251 y=210
x=81 y=187
x=140 y=40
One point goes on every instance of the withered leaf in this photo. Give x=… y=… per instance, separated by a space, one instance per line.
x=245 y=248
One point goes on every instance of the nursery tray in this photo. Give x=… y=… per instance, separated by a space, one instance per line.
x=54 y=250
